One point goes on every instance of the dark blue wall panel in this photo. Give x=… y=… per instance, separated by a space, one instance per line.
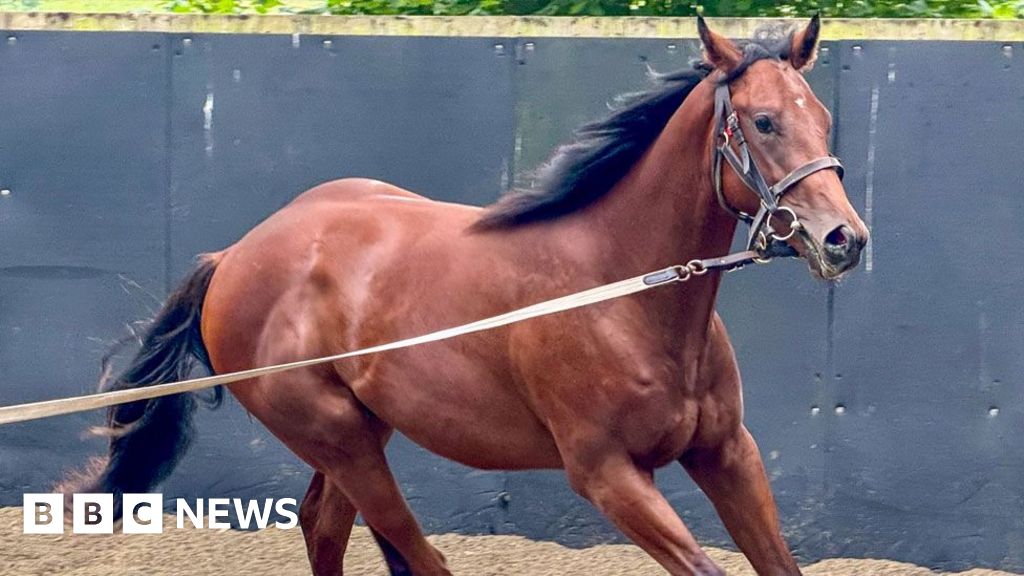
x=929 y=335
x=83 y=127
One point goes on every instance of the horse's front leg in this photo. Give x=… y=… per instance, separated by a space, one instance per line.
x=733 y=477
x=627 y=496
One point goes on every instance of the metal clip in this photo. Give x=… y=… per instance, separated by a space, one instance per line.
x=662 y=276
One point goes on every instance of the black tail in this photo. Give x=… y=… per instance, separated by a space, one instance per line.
x=149 y=437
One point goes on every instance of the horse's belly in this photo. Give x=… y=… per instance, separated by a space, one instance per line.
x=489 y=448
x=476 y=423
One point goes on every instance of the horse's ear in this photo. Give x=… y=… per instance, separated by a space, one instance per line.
x=805 y=45
x=719 y=51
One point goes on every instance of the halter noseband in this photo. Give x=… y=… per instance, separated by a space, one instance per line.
x=762 y=237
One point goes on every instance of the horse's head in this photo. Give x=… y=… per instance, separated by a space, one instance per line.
x=777 y=144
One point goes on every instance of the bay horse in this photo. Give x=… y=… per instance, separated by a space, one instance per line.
x=607 y=393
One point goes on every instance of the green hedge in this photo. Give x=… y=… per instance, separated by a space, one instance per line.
x=835 y=8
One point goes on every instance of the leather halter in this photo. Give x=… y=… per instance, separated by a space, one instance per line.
x=728 y=132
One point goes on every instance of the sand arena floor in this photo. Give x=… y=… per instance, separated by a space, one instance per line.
x=282 y=553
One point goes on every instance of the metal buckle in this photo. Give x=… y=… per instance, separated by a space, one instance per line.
x=732 y=122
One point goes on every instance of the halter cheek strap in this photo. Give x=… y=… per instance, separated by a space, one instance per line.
x=728 y=139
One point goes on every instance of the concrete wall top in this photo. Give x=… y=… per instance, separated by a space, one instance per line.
x=506 y=26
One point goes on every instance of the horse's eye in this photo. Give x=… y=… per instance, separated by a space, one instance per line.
x=764 y=125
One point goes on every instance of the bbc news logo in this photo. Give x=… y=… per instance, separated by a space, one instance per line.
x=144 y=513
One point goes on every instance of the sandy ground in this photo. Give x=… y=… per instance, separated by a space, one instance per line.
x=282 y=553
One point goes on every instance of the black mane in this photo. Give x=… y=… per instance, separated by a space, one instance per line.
x=603 y=151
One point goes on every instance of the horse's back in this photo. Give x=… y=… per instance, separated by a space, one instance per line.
x=363 y=201
x=347 y=189
x=345 y=229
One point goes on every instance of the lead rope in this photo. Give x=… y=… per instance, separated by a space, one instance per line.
x=678 y=273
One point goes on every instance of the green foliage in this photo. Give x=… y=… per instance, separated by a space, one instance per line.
x=829 y=8
x=913 y=9
x=18 y=5
x=224 y=6
x=414 y=7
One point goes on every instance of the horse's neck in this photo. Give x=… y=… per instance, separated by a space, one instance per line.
x=664 y=212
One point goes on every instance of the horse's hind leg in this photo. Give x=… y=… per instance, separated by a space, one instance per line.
x=317 y=416
x=326 y=517
x=366 y=478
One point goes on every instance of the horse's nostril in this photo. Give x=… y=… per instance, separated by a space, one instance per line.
x=838 y=238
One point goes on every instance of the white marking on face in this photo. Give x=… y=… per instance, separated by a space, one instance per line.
x=801 y=102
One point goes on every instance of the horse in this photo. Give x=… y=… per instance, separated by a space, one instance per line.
x=608 y=393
